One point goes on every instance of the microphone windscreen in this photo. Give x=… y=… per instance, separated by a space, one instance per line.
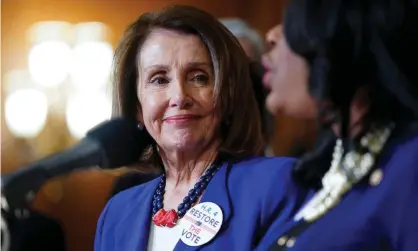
x=122 y=141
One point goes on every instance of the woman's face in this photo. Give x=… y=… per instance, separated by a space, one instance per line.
x=287 y=78
x=175 y=89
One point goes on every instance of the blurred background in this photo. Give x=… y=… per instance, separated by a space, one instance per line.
x=55 y=68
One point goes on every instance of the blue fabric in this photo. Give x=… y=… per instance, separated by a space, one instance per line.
x=382 y=217
x=251 y=193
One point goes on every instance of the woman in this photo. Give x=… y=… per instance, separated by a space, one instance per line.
x=183 y=76
x=295 y=131
x=134 y=177
x=351 y=65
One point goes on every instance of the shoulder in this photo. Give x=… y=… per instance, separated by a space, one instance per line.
x=401 y=158
x=132 y=196
x=258 y=169
x=399 y=163
x=407 y=147
x=268 y=178
x=134 y=193
x=266 y=183
x=124 y=206
x=122 y=214
x=264 y=164
x=130 y=179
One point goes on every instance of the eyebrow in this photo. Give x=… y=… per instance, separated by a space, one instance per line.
x=188 y=65
x=198 y=64
x=156 y=66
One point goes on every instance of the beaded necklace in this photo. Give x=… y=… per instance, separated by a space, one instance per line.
x=169 y=218
x=346 y=170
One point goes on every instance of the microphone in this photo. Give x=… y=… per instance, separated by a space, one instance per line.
x=112 y=144
x=115 y=143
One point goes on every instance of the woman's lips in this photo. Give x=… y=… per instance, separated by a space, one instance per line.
x=266 y=79
x=267 y=72
x=181 y=119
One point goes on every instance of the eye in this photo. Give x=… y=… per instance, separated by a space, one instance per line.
x=159 y=81
x=201 y=79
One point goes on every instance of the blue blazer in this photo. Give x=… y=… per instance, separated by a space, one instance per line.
x=251 y=193
x=373 y=215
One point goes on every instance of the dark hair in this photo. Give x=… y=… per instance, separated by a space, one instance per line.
x=233 y=93
x=351 y=44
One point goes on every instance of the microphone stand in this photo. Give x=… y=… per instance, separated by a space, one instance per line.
x=18 y=191
x=18 y=220
x=5 y=232
x=20 y=187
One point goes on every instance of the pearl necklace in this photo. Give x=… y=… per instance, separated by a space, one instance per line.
x=346 y=171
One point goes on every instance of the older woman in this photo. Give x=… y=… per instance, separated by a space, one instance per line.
x=183 y=76
x=349 y=63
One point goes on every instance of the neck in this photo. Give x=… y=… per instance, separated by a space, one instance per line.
x=358 y=108
x=186 y=167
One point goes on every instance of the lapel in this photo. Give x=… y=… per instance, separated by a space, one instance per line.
x=216 y=192
x=144 y=214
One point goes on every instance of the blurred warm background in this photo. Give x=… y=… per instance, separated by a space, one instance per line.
x=55 y=65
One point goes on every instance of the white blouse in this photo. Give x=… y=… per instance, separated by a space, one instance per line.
x=163 y=238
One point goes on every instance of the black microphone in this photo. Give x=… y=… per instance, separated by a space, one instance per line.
x=115 y=143
x=112 y=144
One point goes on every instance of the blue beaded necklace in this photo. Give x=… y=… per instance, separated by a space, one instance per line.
x=169 y=218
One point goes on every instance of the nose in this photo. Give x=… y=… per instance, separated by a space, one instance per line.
x=273 y=35
x=179 y=94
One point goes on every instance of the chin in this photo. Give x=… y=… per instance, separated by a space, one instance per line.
x=183 y=148
x=272 y=105
x=183 y=144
